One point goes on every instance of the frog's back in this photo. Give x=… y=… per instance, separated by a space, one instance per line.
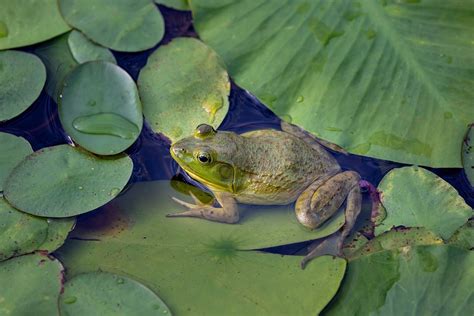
x=278 y=166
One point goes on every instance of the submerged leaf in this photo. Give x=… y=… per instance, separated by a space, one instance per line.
x=386 y=79
x=416 y=197
x=64 y=181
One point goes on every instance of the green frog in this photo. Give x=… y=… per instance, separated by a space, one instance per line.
x=270 y=167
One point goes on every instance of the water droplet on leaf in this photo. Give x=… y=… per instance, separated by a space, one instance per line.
x=114 y=192
x=300 y=99
x=70 y=300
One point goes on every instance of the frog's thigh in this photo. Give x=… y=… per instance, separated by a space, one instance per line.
x=318 y=204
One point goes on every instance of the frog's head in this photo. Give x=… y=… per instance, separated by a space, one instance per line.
x=208 y=156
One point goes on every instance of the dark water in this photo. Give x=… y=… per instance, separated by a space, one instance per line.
x=41 y=127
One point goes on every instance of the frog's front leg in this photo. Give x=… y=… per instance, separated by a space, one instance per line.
x=228 y=213
x=317 y=204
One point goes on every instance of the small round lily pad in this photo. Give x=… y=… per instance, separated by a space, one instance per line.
x=85 y=50
x=12 y=150
x=22 y=233
x=22 y=77
x=102 y=293
x=468 y=154
x=100 y=108
x=122 y=25
x=30 y=285
x=184 y=84
x=26 y=22
x=64 y=181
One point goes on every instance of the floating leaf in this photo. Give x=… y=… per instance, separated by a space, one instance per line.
x=175 y=4
x=101 y=293
x=468 y=155
x=26 y=22
x=183 y=85
x=198 y=267
x=64 y=181
x=58 y=60
x=416 y=197
x=83 y=50
x=424 y=280
x=22 y=77
x=100 y=108
x=21 y=233
x=12 y=150
x=397 y=238
x=375 y=77
x=464 y=236
x=122 y=25
x=30 y=285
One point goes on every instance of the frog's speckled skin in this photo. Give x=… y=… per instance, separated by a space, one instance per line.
x=268 y=167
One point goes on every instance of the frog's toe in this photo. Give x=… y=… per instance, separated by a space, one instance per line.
x=189 y=213
x=185 y=204
x=330 y=246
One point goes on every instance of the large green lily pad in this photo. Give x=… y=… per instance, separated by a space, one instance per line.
x=200 y=267
x=30 y=285
x=100 y=108
x=26 y=22
x=183 y=85
x=22 y=233
x=12 y=150
x=63 y=181
x=468 y=155
x=424 y=280
x=83 y=49
x=122 y=25
x=102 y=293
x=416 y=197
x=22 y=77
x=375 y=77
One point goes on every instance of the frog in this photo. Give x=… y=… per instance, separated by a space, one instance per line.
x=270 y=167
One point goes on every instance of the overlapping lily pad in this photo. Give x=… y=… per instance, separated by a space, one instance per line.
x=122 y=25
x=26 y=22
x=375 y=77
x=416 y=197
x=424 y=280
x=100 y=108
x=183 y=85
x=22 y=77
x=468 y=154
x=102 y=293
x=12 y=150
x=200 y=267
x=83 y=49
x=175 y=4
x=22 y=233
x=30 y=285
x=64 y=181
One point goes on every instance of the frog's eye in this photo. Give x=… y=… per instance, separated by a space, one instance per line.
x=204 y=130
x=204 y=158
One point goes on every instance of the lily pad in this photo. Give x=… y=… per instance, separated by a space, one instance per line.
x=102 y=293
x=200 y=267
x=22 y=233
x=423 y=280
x=175 y=4
x=345 y=69
x=100 y=108
x=63 y=181
x=83 y=49
x=30 y=285
x=58 y=59
x=121 y=25
x=26 y=22
x=468 y=155
x=22 y=77
x=183 y=85
x=416 y=197
x=12 y=150
x=464 y=236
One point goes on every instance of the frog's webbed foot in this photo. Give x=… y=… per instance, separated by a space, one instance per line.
x=331 y=245
x=228 y=213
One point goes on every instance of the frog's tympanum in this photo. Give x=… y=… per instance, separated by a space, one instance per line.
x=270 y=167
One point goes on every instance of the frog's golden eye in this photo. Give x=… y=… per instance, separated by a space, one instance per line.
x=204 y=158
x=204 y=130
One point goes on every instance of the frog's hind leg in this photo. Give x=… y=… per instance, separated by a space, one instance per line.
x=317 y=204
